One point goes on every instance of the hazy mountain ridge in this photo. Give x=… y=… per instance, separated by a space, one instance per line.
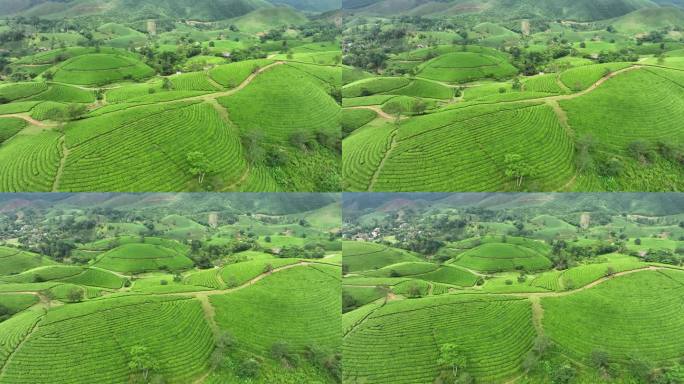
x=143 y=9
x=657 y=204
x=581 y=10
x=265 y=203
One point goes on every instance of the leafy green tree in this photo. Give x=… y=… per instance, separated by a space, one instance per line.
x=75 y=295
x=414 y=291
x=249 y=369
x=418 y=107
x=75 y=111
x=395 y=109
x=200 y=165
x=517 y=168
x=142 y=362
x=599 y=359
x=451 y=357
x=167 y=85
x=564 y=374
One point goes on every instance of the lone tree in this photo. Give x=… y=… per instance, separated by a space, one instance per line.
x=200 y=165
x=75 y=295
x=383 y=291
x=517 y=168
x=142 y=361
x=418 y=107
x=450 y=357
x=395 y=109
x=167 y=84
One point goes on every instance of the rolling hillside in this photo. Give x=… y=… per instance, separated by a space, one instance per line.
x=264 y=19
x=649 y=19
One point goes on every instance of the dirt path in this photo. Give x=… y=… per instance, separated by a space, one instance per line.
x=222 y=111
x=247 y=284
x=537 y=315
x=551 y=101
x=243 y=178
x=562 y=85
x=249 y=79
x=561 y=115
x=376 y=174
x=62 y=163
x=209 y=313
x=26 y=117
x=536 y=295
x=594 y=86
x=375 y=109
x=209 y=96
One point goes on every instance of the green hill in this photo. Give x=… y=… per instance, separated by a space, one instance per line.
x=266 y=18
x=650 y=19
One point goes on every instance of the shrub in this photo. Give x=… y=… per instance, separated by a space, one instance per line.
x=249 y=369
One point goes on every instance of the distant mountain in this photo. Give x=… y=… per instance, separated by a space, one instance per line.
x=264 y=203
x=311 y=5
x=676 y=3
x=133 y=9
x=553 y=203
x=580 y=10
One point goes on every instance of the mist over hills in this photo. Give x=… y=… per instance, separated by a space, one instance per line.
x=265 y=203
x=580 y=10
x=658 y=204
x=143 y=9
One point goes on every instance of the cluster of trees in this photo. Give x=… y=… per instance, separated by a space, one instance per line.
x=588 y=157
x=5 y=313
x=368 y=47
x=664 y=256
x=227 y=355
x=257 y=151
x=565 y=255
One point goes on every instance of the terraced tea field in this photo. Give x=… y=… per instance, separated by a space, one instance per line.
x=531 y=294
x=484 y=114
x=112 y=119
x=171 y=308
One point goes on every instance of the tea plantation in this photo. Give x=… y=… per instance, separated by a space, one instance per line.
x=150 y=291
x=438 y=288
x=188 y=108
x=485 y=103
